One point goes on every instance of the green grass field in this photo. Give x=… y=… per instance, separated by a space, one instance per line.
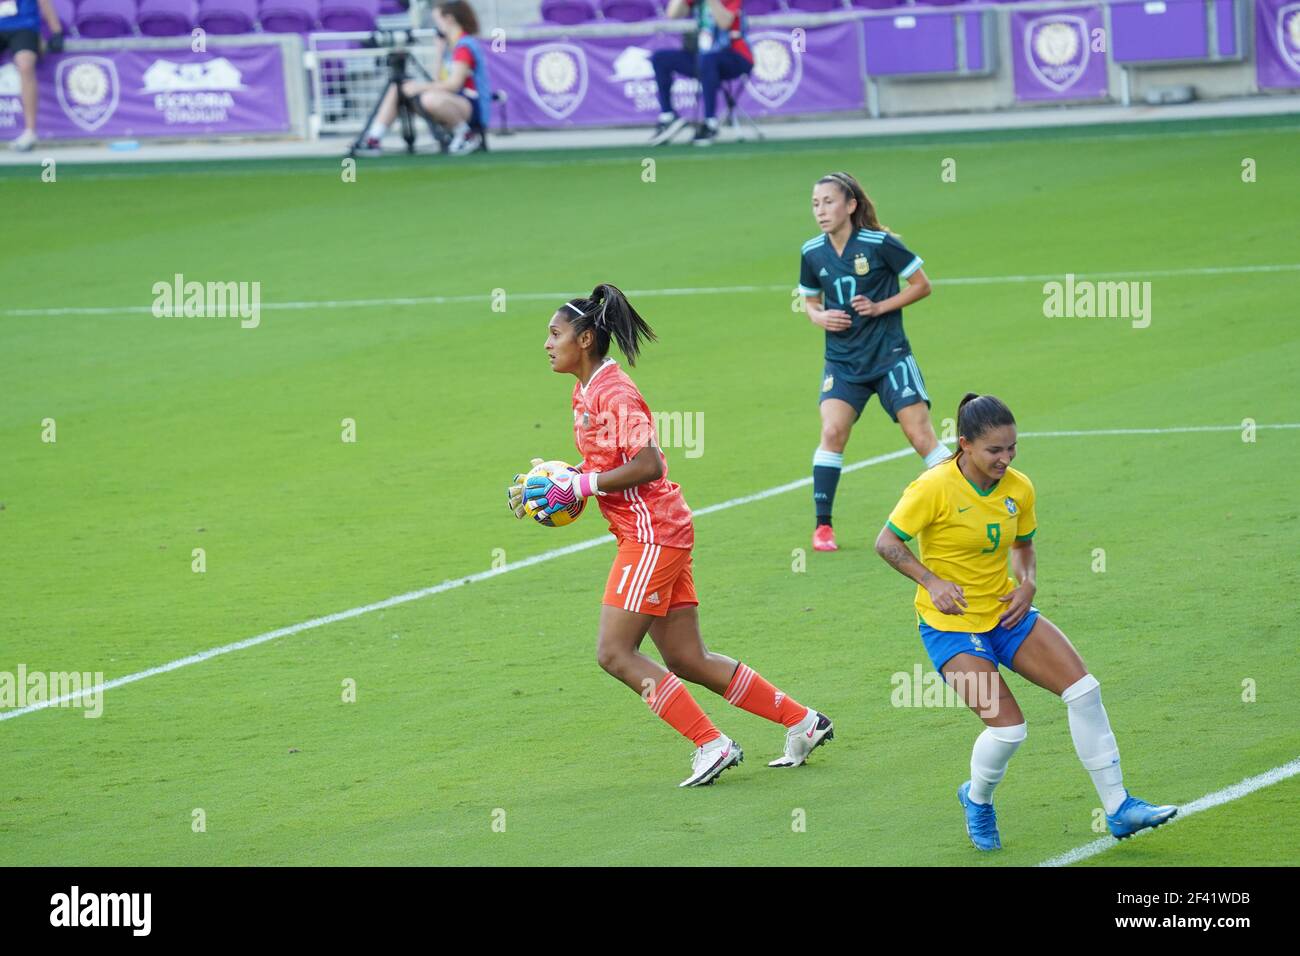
x=182 y=433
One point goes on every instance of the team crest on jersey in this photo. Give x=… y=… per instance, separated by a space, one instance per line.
x=1011 y=506
x=830 y=381
x=861 y=264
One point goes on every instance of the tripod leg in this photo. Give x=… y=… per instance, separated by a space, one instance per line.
x=404 y=110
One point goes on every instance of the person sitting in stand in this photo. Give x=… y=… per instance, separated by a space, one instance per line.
x=721 y=52
x=20 y=24
x=459 y=95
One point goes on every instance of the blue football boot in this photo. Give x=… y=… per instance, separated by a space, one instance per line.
x=981 y=821
x=1134 y=815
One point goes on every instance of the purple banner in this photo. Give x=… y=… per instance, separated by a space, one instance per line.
x=157 y=92
x=1277 y=44
x=1152 y=31
x=609 y=81
x=908 y=43
x=1053 y=54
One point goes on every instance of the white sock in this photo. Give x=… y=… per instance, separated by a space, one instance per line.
x=667 y=117
x=377 y=130
x=989 y=758
x=830 y=459
x=1093 y=741
x=462 y=129
x=939 y=453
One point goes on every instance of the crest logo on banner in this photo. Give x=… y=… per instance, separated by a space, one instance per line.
x=777 y=69
x=1288 y=35
x=164 y=76
x=1056 y=49
x=87 y=88
x=633 y=64
x=556 y=76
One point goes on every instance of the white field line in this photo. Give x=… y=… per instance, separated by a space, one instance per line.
x=1218 y=798
x=453 y=583
x=427 y=300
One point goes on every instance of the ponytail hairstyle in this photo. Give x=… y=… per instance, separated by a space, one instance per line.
x=608 y=313
x=864 y=217
x=976 y=414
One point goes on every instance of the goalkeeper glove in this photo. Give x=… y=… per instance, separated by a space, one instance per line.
x=515 y=493
x=552 y=493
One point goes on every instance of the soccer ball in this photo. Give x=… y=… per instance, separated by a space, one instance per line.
x=567 y=514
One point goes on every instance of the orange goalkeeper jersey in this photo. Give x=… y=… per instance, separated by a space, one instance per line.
x=611 y=424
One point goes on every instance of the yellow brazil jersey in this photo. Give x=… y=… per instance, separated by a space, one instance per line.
x=966 y=536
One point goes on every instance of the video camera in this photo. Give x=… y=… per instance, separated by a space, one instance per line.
x=399 y=40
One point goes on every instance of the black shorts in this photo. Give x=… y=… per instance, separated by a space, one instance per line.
x=20 y=40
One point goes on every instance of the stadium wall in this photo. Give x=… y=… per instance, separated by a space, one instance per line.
x=597 y=74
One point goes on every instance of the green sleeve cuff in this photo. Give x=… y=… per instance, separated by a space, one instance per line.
x=1026 y=537
x=898 y=531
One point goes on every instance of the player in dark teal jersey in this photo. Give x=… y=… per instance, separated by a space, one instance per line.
x=849 y=277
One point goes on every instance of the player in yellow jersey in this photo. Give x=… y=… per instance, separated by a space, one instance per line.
x=969 y=514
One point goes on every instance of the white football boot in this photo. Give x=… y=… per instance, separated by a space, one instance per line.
x=23 y=142
x=804 y=737
x=711 y=759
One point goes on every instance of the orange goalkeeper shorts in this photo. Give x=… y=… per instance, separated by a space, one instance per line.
x=650 y=579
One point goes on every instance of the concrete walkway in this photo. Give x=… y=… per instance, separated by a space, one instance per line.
x=776 y=130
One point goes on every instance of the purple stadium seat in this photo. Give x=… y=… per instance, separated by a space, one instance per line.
x=228 y=17
x=877 y=4
x=629 y=11
x=67 y=14
x=347 y=16
x=815 y=6
x=942 y=3
x=760 y=8
x=105 y=19
x=391 y=6
x=167 y=18
x=568 y=12
x=289 y=16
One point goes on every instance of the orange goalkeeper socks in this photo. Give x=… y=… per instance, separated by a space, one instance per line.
x=674 y=703
x=750 y=692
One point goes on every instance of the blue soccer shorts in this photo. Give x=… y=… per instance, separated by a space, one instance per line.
x=998 y=645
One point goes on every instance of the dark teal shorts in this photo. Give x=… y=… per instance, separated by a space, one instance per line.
x=899 y=387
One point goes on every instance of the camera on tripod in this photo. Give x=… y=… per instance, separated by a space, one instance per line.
x=398 y=44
